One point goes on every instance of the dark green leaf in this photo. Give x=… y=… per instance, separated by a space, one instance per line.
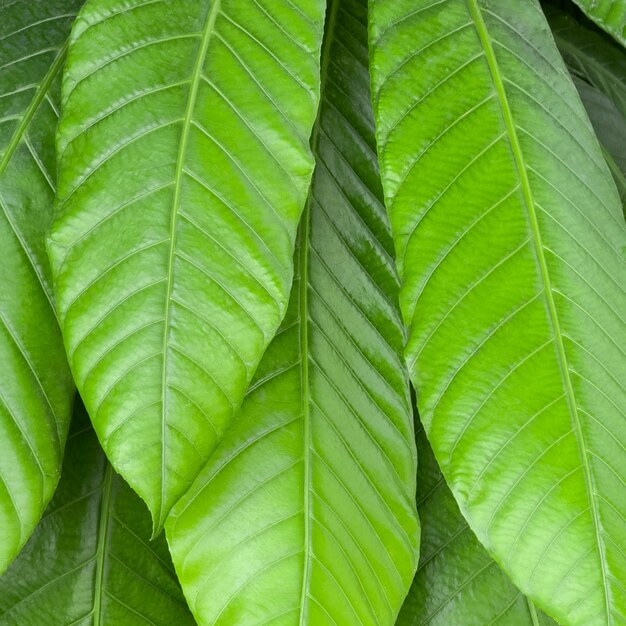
x=610 y=15
x=610 y=127
x=90 y=561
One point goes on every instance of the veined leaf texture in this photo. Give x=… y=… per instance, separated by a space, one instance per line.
x=184 y=168
x=36 y=388
x=90 y=562
x=457 y=582
x=306 y=512
x=510 y=241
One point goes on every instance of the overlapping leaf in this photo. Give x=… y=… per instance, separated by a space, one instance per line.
x=608 y=14
x=457 y=582
x=184 y=168
x=306 y=512
x=36 y=389
x=90 y=560
x=610 y=127
x=601 y=70
x=511 y=243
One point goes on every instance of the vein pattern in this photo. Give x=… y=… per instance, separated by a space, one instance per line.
x=511 y=250
x=36 y=388
x=90 y=561
x=305 y=514
x=457 y=582
x=184 y=169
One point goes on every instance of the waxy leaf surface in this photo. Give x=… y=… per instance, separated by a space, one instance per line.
x=36 y=389
x=306 y=512
x=184 y=168
x=511 y=249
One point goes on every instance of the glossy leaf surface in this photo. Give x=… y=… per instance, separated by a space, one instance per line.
x=184 y=168
x=510 y=242
x=36 y=389
x=610 y=15
x=306 y=512
x=90 y=561
x=457 y=582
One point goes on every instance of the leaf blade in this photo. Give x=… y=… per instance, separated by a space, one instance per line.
x=315 y=480
x=36 y=392
x=171 y=288
x=457 y=581
x=90 y=560
x=467 y=150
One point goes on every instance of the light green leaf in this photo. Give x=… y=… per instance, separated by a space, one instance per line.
x=184 y=168
x=511 y=245
x=457 y=582
x=36 y=388
x=306 y=512
x=90 y=560
x=610 y=15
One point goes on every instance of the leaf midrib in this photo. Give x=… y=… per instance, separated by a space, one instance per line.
x=209 y=29
x=332 y=9
x=521 y=166
x=101 y=549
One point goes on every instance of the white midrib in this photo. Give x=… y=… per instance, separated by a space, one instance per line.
x=520 y=162
x=209 y=28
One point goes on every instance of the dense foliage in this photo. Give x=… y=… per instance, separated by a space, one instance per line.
x=313 y=312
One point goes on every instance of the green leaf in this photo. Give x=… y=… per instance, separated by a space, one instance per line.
x=36 y=388
x=610 y=15
x=306 y=512
x=457 y=582
x=90 y=560
x=184 y=168
x=610 y=127
x=511 y=248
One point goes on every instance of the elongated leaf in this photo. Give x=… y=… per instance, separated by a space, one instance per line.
x=610 y=15
x=610 y=127
x=90 y=560
x=457 y=582
x=184 y=167
x=306 y=513
x=591 y=56
x=36 y=388
x=510 y=243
